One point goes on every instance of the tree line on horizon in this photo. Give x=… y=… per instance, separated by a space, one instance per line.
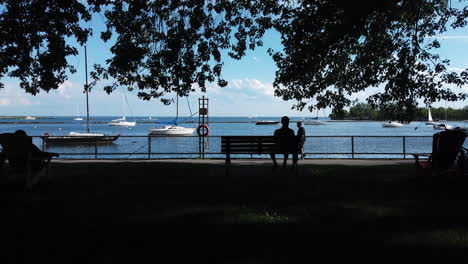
x=363 y=111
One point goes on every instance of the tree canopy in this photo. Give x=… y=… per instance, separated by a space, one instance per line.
x=363 y=111
x=332 y=49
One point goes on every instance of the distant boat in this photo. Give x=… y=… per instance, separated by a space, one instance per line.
x=392 y=124
x=429 y=117
x=121 y=122
x=441 y=126
x=314 y=122
x=267 y=122
x=78 y=118
x=30 y=118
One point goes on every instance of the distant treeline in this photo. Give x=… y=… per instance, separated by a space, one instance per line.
x=362 y=111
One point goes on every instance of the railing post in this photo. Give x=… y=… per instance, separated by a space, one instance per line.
x=149 y=147
x=404 y=147
x=95 y=149
x=352 y=147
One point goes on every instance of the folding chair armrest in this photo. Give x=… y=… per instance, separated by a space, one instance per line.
x=416 y=158
x=417 y=155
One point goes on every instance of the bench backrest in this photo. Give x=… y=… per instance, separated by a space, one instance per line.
x=258 y=144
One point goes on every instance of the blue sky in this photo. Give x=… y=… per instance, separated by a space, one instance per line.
x=249 y=93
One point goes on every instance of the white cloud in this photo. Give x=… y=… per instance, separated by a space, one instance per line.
x=452 y=37
x=13 y=96
x=236 y=84
x=5 y=101
x=455 y=69
x=64 y=90
x=265 y=88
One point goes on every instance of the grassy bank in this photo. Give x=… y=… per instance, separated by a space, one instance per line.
x=130 y=212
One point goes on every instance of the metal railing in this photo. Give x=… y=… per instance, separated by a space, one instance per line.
x=319 y=147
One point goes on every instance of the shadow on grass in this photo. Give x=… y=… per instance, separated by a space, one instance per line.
x=134 y=212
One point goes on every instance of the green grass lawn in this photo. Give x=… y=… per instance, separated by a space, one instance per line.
x=167 y=212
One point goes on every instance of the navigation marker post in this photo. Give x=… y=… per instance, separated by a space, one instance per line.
x=203 y=123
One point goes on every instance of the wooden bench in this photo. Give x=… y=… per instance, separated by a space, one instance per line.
x=258 y=145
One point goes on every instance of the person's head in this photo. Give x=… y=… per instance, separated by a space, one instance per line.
x=285 y=121
x=299 y=124
x=20 y=133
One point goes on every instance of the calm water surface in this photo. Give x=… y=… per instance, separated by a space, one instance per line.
x=327 y=146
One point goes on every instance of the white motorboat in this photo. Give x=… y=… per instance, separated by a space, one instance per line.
x=30 y=118
x=441 y=126
x=392 y=124
x=121 y=122
x=78 y=119
x=313 y=122
x=171 y=131
x=266 y=122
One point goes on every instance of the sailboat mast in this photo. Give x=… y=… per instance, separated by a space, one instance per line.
x=86 y=89
x=177 y=104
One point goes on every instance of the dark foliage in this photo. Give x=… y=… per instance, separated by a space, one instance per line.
x=33 y=45
x=332 y=49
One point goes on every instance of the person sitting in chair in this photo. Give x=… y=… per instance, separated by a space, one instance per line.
x=286 y=142
x=17 y=146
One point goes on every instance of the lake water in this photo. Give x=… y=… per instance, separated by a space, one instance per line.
x=327 y=145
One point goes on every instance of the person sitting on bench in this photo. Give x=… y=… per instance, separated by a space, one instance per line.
x=286 y=141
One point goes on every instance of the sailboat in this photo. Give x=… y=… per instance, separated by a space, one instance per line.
x=78 y=137
x=313 y=121
x=172 y=129
x=78 y=118
x=442 y=126
x=121 y=121
x=429 y=117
